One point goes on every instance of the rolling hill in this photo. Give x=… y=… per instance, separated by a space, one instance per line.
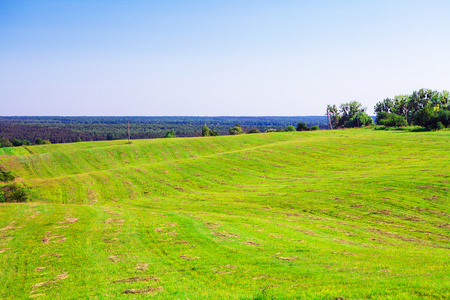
x=344 y=214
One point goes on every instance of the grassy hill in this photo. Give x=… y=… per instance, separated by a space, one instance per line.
x=346 y=214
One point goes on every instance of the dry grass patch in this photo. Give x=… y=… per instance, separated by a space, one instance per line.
x=144 y=291
x=136 y=279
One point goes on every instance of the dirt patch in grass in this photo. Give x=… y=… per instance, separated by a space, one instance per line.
x=425 y=187
x=114 y=221
x=385 y=212
x=4 y=250
x=224 y=234
x=41 y=284
x=144 y=291
x=181 y=242
x=212 y=225
x=111 y=212
x=396 y=236
x=47 y=239
x=159 y=229
x=136 y=279
x=110 y=240
x=63 y=276
x=251 y=243
x=189 y=258
x=40 y=269
x=114 y=258
x=141 y=266
x=286 y=258
x=69 y=220
x=172 y=233
x=10 y=227
x=34 y=215
x=228 y=266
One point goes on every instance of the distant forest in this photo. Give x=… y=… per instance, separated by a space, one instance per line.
x=73 y=129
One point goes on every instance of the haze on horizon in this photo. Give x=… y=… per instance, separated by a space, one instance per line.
x=211 y=58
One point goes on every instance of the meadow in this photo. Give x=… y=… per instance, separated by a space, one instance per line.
x=343 y=214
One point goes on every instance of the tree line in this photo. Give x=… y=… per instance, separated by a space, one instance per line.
x=73 y=129
x=425 y=107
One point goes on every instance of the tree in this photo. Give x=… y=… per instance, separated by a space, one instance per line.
x=302 y=126
x=214 y=133
x=384 y=106
x=79 y=139
x=170 y=134
x=236 y=129
x=205 y=130
x=39 y=141
x=4 y=142
x=334 y=115
x=315 y=127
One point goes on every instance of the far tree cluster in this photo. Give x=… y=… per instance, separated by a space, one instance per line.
x=425 y=107
x=5 y=142
x=348 y=115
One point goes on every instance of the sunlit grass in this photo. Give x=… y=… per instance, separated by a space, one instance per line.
x=308 y=215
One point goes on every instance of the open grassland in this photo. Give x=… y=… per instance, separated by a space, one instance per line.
x=354 y=214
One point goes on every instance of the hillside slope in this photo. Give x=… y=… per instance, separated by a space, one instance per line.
x=304 y=215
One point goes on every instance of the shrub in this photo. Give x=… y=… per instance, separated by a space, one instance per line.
x=170 y=134
x=315 y=127
x=290 y=128
x=13 y=193
x=254 y=130
x=5 y=176
x=236 y=130
x=271 y=130
x=391 y=119
x=215 y=133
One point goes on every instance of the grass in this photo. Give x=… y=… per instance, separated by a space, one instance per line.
x=354 y=214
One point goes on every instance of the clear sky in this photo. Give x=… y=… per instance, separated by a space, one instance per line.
x=209 y=58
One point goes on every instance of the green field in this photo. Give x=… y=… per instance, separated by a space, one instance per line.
x=344 y=214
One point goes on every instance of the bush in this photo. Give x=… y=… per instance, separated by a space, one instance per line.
x=254 y=130
x=215 y=133
x=5 y=176
x=391 y=119
x=236 y=130
x=170 y=134
x=315 y=127
x=271 y=130
x=13 y=193
x=290 y=128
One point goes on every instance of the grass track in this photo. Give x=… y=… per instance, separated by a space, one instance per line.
x=359 y=214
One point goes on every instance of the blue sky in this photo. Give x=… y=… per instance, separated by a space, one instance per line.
x=207 y=58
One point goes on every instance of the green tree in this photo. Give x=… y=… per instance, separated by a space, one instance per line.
x=205 y=130
x=301 y=126
x=236 y=130
x=170 y=134
x=334 y=115
x=215 y=133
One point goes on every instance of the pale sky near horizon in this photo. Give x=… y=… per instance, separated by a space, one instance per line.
x=216 y=58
